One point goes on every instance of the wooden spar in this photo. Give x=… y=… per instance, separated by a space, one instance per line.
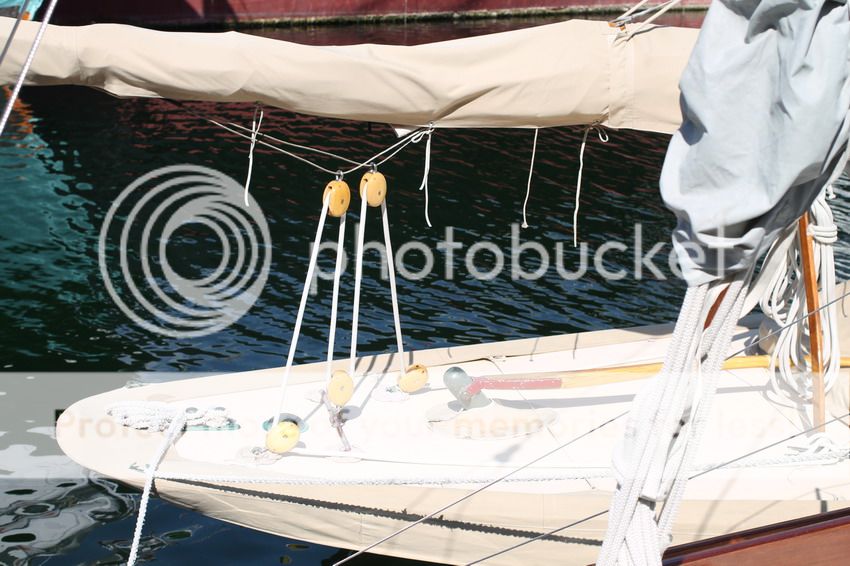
x=810 y=279
x=597 y=376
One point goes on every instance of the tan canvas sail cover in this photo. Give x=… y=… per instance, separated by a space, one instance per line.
x=567 y=73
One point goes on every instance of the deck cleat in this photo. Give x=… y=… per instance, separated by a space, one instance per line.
x=282 y=437
x=340 y=388
x=373 y=187
x=413 y=379
x=458 y=382
x=340 y=197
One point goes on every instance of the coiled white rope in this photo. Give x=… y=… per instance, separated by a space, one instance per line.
x=528 y=185
x=255 y=129
x=27 y=63
x=301 y=307
x=424 y=185
x=603 y=137
x=175 y=428
x=158 y=416
x=783 y=300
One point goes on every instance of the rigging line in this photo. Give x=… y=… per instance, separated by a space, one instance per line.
x=393 y=290
x=530 y=173
x=603 y=137
x=600 y=513
x=298 y=145
x=305 y=293
x=413 y=137
x=538 y=537
x=27 y=63
x=255 y=129
x=478 y=490
x=358 y=280
x=12 y=33
x=802 y=317
x=340 y=251
x=763 y=448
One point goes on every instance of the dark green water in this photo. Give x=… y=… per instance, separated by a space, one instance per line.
x=71 y=151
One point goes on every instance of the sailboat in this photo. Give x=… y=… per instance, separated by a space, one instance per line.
x=497 y=452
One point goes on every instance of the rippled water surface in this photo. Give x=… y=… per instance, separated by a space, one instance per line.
x=71 y=151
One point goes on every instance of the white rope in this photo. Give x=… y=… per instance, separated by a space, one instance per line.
x=424 y=184
x=21 y=12
x=157 y=416
x=528 y=185
x=301 y=307
x=603 y=137
x=665 y=429
x=335 y=298
x=393 y=291
x=27 y=63
x=255 y=129
x=375 y=160
x=783 y=300
x=358 y=279
x=664 y=8
x=174 y=430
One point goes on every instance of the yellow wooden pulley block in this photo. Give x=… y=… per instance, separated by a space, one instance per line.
x=340 y=197
x=374 y=185
x=413 y=379
x=282 y=437
x=340 y=388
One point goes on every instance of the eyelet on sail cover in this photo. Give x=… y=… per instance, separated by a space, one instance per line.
x=375 y=186
x=340 y=197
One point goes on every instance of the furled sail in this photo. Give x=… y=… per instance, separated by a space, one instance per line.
x=573 y=72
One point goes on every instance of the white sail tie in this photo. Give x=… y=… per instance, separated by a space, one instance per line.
x=424 y=185
x=255 y=129
x=603 y=137
x=528 y=185
x=301 y=308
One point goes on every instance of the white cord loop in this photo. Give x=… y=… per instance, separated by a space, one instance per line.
x=783 y=301
x=528 y=185
x=603 y=137
x=255 y=129
x=424 y=185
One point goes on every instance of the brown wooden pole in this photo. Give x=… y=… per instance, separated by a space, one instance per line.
x=810 y=279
